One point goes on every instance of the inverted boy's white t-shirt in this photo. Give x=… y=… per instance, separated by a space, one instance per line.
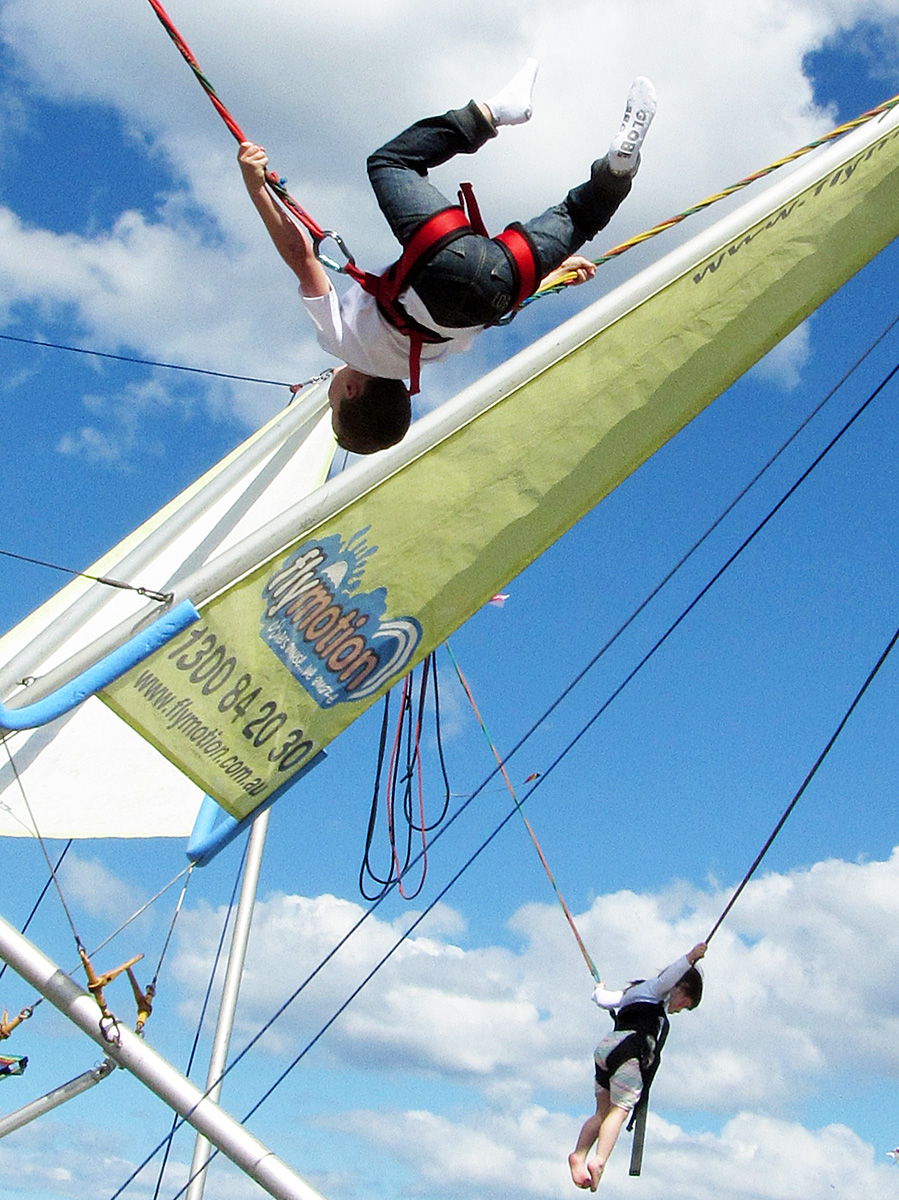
x=350 y=326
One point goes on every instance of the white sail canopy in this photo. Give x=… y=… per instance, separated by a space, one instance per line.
x=87 y=774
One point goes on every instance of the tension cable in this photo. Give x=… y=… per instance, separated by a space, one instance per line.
x=161 y=597
x=809 y=777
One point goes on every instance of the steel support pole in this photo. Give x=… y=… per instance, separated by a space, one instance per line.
x=130 y=1052
x=230 y=992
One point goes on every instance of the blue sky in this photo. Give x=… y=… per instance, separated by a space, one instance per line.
x=466 y=1065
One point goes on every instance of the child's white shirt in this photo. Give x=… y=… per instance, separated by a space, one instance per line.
x=350 y=326
x=650 y=991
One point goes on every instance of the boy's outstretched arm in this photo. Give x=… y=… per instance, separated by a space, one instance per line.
x=292 y=243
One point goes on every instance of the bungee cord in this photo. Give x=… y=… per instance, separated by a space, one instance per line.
x=319 y=234
x=591 y=966
x=670 y=222
x=476 y=854
x=407 y=736
x=655 y=591
x=658 y=644
x=517 y=808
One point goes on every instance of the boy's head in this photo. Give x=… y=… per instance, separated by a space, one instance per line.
x=368 y=413
x=687 y=992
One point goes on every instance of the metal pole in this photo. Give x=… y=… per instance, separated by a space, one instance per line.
x=230 y=992
x=66 y=1091
x=130 y=1052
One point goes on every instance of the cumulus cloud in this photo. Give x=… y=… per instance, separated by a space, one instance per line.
x=512 y=1030
x=755 y=1157
x=152 y=287
x=517 y=1027
x=84 y=1162
x=792 y=958
x=800 y=981
x=497 y=1155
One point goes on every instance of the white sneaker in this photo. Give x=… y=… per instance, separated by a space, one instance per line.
x=642 y=102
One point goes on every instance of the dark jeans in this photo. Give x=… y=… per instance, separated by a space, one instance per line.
x=471 y=281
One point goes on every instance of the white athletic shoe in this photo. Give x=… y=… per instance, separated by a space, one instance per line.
x=624 y=152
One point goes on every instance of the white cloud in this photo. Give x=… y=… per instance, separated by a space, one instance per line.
x=783 y=365
x=755 y=1157
x=763 y=1158
x=801 y=979
x=794 y=956
x=514 y=1030
x=83 y=1162
x=95 y=889
x=123 y=420
x=158 y=290
x=497 y=1155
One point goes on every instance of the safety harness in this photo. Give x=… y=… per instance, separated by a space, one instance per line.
x=437 y=232
x=650 y=1025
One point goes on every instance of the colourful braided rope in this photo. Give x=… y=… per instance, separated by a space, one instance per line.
x=274 y=182
x=570 y=919
x=195 y=67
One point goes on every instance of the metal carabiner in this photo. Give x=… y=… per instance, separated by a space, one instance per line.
x=328 y=262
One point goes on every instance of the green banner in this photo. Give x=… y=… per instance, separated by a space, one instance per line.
x=284 y=661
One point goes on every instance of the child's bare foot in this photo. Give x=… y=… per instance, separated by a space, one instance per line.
x=595 y=1170
x=579 y=1173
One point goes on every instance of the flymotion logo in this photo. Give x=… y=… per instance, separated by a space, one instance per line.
x=331 y=636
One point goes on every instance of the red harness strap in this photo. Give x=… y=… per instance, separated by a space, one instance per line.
x=428 y=240
x=522 y=259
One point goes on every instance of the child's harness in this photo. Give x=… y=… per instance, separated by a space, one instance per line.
x=436 y=233
x=650 y=1025
x=429 y=239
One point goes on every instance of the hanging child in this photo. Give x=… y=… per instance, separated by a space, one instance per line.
x=462 y=282
x=627 y=1058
